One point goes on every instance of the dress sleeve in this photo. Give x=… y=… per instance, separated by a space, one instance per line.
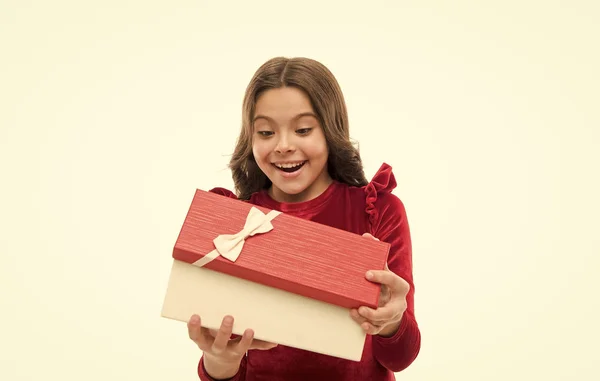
x=382 y=184
x=240 y=375
x=388 y=222
x=223 y=192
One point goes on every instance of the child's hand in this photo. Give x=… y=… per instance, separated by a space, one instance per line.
x=222 y=354
x=385 y=320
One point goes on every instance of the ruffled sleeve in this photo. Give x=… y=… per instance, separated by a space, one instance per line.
x=388 y=223
x=223 y=192
x=382 y=183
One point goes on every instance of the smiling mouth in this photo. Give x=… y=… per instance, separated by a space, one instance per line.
x=289 y=168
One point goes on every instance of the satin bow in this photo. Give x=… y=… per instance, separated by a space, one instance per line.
x=230 y=245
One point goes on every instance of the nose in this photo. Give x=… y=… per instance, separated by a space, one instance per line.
x=284 y=144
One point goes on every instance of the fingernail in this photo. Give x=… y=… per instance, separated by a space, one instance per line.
x=228 y=320
x=369 y=275
x=194 y=320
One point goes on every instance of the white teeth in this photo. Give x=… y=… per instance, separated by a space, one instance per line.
x=288 y=165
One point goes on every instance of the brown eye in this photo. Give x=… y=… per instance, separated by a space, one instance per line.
x=265 y=133
x=303 y=131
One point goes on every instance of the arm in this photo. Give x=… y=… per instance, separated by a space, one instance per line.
x=399 y=350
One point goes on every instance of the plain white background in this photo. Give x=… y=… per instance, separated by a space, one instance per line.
x=113 y=112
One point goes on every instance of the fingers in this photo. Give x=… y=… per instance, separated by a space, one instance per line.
x=244 y=343
x=194 y=328
x=199 y=334
x=381 y=315
x=223 y=335
x=357 y=317
x=220 y=341
x=370 y=328
x=374 y=322
x=390 y=279
x=215 y=340
x=247 y=342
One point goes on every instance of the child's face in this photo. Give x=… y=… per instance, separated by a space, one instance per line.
x=286 y=133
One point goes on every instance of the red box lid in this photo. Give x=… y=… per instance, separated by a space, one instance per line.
x=296 y=255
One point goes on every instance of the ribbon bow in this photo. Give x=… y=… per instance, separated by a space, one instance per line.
x=230 y=245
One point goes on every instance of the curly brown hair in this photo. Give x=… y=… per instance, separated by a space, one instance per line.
x=344 y=162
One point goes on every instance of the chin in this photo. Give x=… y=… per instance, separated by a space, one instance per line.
x=291 y=190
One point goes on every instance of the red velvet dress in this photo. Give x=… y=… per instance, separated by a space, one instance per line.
x=371 y=209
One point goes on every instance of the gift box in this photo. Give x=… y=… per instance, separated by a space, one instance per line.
x=291 y=280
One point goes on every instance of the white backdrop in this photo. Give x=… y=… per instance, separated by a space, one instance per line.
x=488 y=112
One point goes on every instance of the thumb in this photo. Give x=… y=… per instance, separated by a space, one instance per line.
x=368 y=235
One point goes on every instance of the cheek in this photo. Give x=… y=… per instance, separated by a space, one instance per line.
x=317 y=149
x=260 y=151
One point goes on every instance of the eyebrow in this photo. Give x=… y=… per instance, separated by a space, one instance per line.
x=303 y=114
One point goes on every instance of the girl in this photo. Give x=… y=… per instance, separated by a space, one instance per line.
x=294 y=155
